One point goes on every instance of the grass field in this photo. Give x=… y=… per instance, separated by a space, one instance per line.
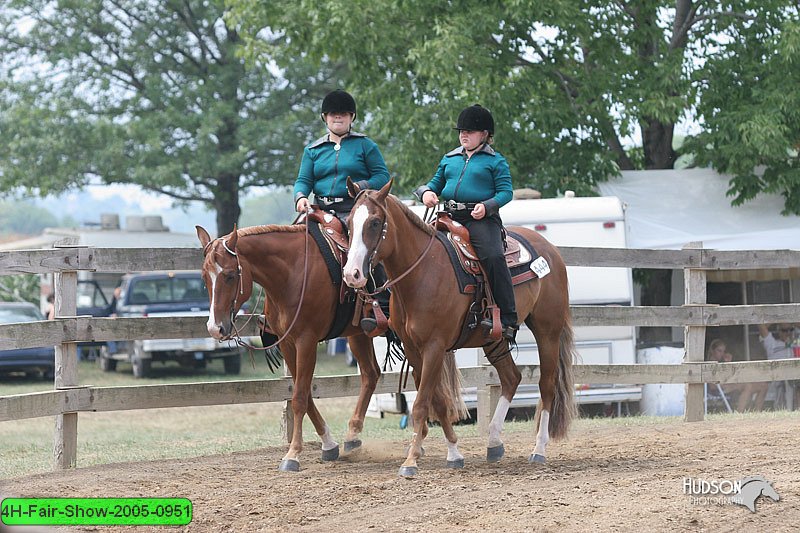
x=26 y=446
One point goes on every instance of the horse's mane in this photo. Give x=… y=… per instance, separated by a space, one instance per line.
x=415 y=219
x=270 y=228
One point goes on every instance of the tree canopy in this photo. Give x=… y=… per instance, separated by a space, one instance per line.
x=579 y=90
x=152 y=93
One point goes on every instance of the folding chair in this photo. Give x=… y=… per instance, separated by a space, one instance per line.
x=718 y=395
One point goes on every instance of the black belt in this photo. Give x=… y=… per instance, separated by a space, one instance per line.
x=459 y=206
x=330 y=199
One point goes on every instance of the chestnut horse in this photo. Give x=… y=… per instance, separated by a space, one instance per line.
x=274 y=256
x=427 y=311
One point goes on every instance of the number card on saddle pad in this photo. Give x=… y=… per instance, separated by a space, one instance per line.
x=522 y=260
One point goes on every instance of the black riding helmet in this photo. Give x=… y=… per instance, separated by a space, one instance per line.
x=475 y=118
x=338 y=101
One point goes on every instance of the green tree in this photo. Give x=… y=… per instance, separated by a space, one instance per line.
x=579 y=90
x=572 y=85
x=751 y=110
x=149 y=93
x=275 y=207
x=25 y=218
x=20 y=288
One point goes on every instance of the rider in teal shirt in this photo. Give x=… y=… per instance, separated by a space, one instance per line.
x=476 y=181
x=484 y=177
x=328 y=161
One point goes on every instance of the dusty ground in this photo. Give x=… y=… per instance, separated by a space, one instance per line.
x=608 y=478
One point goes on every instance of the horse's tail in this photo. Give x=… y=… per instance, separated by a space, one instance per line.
x=451 y=388
x=564 y=406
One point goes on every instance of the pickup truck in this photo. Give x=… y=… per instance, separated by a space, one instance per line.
x=178 y=293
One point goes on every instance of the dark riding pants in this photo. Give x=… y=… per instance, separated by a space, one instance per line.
x=487 y=238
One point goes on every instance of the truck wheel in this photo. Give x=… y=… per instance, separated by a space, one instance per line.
x=106 y=363
x=141 y=366
x=233 y=364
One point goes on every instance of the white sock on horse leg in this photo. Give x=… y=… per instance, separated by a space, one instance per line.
x=452 y=451
x=496 y=425
x=327 y=439
x=543 y=435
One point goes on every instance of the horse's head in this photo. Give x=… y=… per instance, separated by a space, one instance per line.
x=228 y=281
x=367 y=225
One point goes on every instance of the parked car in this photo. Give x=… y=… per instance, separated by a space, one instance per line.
x=179 y=293
x=92 y=301
x=31 y=361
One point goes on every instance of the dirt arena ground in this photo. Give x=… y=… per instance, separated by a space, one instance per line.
x=605 y=477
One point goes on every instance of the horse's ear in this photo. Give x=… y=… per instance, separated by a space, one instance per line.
x=384 y=192
x=203 y=235
x=352 y=188
x=233 y=238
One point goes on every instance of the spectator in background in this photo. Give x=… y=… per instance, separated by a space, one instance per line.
x=50 y=312
x=742 y=392
x=778 y=345
x=112 y=345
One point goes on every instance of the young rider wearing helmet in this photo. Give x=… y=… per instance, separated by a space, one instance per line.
x=476 y=181
x=328 y=161
x=331 y=159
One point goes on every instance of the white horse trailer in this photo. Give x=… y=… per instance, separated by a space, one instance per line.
x=575 y=221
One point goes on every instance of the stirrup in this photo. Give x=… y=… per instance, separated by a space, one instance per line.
x=368 y=324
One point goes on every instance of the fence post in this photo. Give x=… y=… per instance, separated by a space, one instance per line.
x=65 y=446
x=694 y=337
x=488 y=397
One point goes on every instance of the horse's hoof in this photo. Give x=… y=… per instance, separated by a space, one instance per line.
x=350 y=445
x=536 y=458
x=495 y=453
x=408 y=471
x=458 y=463
x=289 y=465
x=330 y=455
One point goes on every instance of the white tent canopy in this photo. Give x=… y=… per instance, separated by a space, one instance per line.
x=667 y=209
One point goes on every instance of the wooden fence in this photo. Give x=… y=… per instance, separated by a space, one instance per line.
x=68 y=399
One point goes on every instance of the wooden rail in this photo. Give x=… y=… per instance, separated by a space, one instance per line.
x=68 y=399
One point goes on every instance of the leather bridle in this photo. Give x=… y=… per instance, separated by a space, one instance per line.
x=232 y=311
x=235 y=331
x=389 y=283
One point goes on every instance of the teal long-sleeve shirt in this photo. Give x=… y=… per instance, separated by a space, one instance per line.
x=324 y=170
x=484 y=177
